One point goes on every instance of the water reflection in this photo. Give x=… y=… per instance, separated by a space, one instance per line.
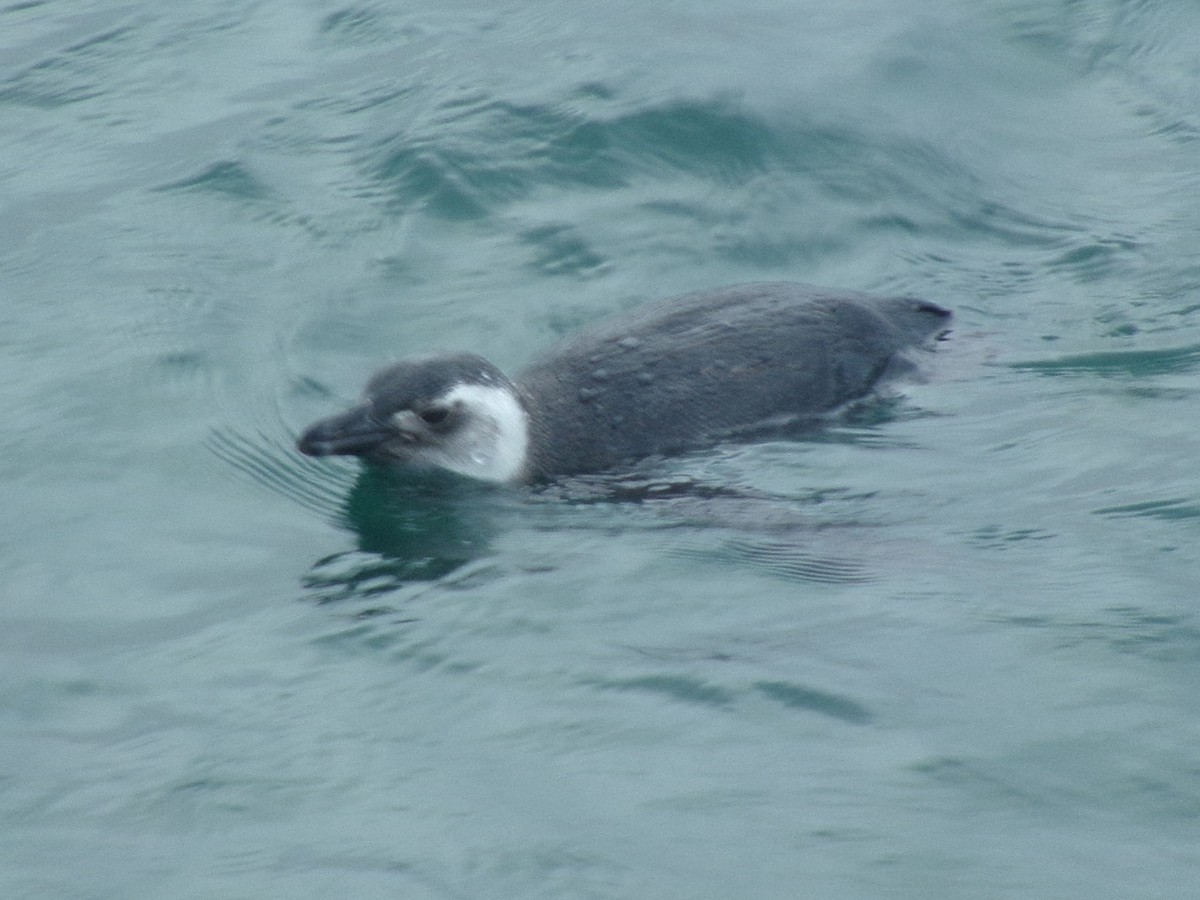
x=409 y=527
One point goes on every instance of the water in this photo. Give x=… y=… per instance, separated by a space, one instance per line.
x=946 y=648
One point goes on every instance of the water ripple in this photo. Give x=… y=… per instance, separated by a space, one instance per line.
x=73 y=75
x=273 y=463
x=793 y=561
x=1170 y=510
x=1118 y=363
x=479 y=152
x=225 y=178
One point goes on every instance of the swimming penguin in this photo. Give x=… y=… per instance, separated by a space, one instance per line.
x=666 y=377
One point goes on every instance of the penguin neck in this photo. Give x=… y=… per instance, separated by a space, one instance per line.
x=496 y=446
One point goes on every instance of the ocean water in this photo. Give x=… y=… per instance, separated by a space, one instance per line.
x=946 y=647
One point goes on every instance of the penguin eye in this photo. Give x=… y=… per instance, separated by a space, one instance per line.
x=434 y=415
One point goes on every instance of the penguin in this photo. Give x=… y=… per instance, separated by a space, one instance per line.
x=679 y=374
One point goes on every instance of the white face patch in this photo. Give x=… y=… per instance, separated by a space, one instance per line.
x=491 y=442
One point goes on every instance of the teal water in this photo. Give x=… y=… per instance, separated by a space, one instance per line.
x=948 y=647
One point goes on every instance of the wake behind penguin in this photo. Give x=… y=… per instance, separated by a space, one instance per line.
x=679 y=374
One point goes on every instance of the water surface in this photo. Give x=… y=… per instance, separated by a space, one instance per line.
x=946 y=647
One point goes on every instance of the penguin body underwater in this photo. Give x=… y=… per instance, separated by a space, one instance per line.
x=669 y=376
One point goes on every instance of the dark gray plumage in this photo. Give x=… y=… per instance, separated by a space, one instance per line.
x=680 y=373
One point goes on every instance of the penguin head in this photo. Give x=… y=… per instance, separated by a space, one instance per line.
x=458 y=413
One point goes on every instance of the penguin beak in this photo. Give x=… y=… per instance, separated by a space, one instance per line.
x=355 y=432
